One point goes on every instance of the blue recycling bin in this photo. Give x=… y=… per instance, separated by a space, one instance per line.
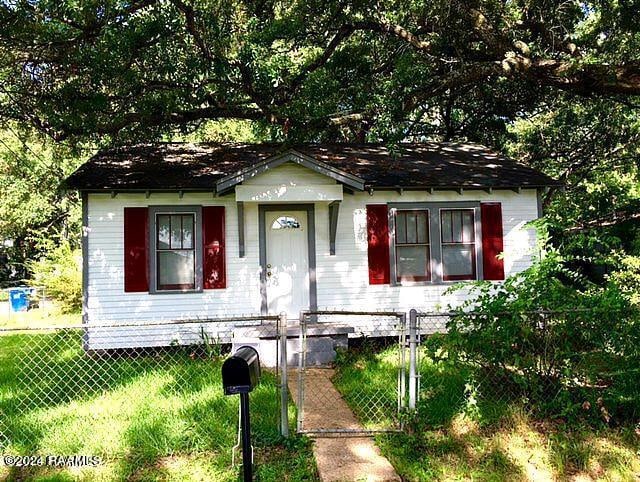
x=19 y=299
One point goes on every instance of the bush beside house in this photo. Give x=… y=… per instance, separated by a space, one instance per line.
x=59 y=271
x=568 y=347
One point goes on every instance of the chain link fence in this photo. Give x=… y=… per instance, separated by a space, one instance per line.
x=580 y=363
x=341 y=385
x=107 y=389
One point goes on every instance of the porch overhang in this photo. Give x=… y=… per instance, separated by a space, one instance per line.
x=227 y=183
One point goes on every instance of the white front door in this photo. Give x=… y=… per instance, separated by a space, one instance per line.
x=287 y=267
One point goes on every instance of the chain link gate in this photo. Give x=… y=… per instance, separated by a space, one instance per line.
x=339 y=397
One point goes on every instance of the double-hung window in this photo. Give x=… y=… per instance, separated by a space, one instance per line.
x=458 y=242
x=413 y=253
x=435 y=242
x=177 y=248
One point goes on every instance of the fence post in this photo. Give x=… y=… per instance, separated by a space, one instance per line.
x=402 y=372
x=302 y=350
x=284 y=389
x=413 y=371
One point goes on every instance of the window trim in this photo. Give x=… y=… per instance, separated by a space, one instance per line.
x=154 y=211
x=422 y=279
x=435 y=236
x=474 y=260
x=171 y=249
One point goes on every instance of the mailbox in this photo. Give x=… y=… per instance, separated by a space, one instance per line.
x=241 y=371
x=240 y=375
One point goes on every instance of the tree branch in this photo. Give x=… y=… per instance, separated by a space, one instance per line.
x=343 y=33
x=583 y=79
x=587 y=79
x=193 y=29
x=177 y=117
x=144 y=119
x=395 y=31
x=615 y=218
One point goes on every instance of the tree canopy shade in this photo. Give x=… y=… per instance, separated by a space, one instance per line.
x=307 y=69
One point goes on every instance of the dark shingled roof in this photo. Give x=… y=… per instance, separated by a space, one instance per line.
x=182 y=166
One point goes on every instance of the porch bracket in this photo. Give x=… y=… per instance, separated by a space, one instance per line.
x=334 y=209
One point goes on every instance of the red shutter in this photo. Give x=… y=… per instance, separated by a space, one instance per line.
x=136 y=249
x=378 y=239
x=491 y=219
x=213 y=257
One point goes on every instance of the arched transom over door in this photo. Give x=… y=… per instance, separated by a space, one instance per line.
x=287 y=262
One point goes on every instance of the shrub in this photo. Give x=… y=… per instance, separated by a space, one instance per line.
x=626 y=276
x=568 y=345
x=59 y=271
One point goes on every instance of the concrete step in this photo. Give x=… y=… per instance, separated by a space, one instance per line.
x=320 y=349
x=269 y=330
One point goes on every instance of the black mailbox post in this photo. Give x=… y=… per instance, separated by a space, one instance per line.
x=240 y=375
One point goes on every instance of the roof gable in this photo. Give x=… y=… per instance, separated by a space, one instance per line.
x=228 y=182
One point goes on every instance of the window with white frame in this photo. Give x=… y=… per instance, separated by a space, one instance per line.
x=435 y=242
x=412 y=248
x=458 y=242
x=175 y=249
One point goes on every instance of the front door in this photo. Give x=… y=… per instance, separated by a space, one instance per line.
x=287 y=262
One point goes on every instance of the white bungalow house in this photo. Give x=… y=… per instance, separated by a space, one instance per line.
x=178 y=231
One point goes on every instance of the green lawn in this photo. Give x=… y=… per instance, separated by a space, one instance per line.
x=369 y=385
x=457 y=437
x=38 y=317
x=160 y=416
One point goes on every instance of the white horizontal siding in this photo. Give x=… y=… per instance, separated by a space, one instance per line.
x=342 y=279
x=107 y=300
x=139 y=335
x=289 y=174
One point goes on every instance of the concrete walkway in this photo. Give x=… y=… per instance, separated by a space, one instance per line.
x=338 y=458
